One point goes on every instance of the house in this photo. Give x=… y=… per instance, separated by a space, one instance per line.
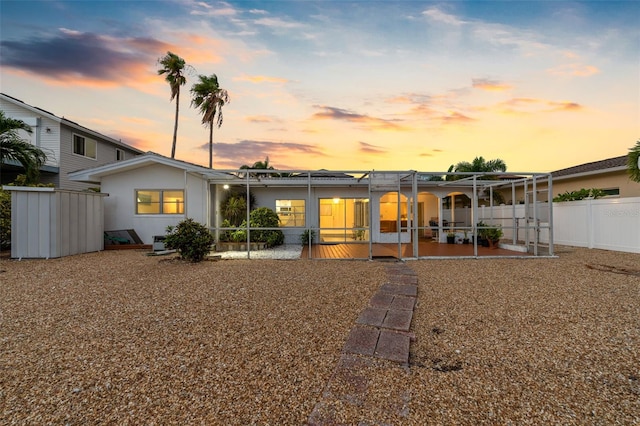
x=609 y=175
x=149 y=192
x=68 y=145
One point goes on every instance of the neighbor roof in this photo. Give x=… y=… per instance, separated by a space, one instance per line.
x=610 y=164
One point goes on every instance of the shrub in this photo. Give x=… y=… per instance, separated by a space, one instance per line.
x=264 y=217
x=579 y=195
x=307 y=236
x=191 y=239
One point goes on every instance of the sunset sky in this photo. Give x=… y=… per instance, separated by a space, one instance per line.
x=341 y=85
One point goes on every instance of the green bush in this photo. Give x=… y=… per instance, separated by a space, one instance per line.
x=5 y=219
x=307 y=236
x=191 y=239
x=264 y=217
x=579 y=195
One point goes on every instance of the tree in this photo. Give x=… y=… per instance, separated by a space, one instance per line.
x=479 y=164
x=260 y=165
x=633 y=162
x=209 y=98
x=174 y=68
x=13 y=147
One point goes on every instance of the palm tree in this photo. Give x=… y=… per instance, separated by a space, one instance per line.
x=12 y=147
x=209 y=98
x=479 y=164
x=633 y=162
x=174 y=68
x=260 y=165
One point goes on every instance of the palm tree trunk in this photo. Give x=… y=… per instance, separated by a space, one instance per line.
x=175 y=126
x=211 y=144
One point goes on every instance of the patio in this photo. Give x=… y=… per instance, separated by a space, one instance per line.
x=390 y=250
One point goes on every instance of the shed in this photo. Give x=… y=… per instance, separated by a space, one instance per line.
x=49 y=222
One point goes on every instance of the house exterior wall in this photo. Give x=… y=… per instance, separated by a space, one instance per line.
x=606 y=180
x=120 y=206
x=54 y=136
x=619 y=179
x=47 y=141
x=105 y=153
x=266 y=197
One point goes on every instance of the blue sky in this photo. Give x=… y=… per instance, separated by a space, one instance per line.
x=341 y=85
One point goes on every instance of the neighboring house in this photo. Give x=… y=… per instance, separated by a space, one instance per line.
x=68 y=145
x=149 y=192
x=610 y=175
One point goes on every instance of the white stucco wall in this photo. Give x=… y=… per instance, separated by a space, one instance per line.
x=120 y=206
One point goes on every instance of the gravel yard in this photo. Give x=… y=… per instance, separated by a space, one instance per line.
x=123 y=338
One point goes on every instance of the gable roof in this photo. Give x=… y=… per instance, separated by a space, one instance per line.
x=609 y=165
x=67 y=122
x=95 y=174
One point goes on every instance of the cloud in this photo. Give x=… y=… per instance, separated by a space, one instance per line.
x=574 y=70
x=533 y=105
x=277 y=23
x=490 y=85
x=260 y=79
x=262 y=119
x=367 y=148
x=371 y=123
x=456 y=117
x=437 y=15
x=76 y=58
x=236 y=154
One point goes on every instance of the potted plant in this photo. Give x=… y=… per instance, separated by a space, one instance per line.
x=451 y=237
x=465 y=240
x=493 y=235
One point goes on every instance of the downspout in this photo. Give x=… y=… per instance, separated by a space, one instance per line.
x=513 y=213
x=186 y=195
x=536 y=228
x=248 y=220
x=415 y=221
x=308 y=209
x=550 y=202
x=399 y=217
x=474 y=213
x=370 y=217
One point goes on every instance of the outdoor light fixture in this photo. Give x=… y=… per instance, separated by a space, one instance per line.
x=336 y=200
x=225 y=186
x=48 y=130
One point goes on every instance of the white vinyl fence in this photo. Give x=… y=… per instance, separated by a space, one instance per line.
x=609 y=223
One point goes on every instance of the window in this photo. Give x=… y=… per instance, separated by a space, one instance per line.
x=83 y=146
x=119 y=154
x=291 y=212
x=159 y=201
x=610 y=192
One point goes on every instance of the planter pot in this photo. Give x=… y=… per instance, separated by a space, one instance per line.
x=451 y=240
x=465 y=241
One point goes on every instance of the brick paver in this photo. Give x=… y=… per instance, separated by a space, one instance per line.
x=393 y=346
x=381 y=332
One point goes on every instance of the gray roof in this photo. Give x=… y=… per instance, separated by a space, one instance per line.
x=595 y=166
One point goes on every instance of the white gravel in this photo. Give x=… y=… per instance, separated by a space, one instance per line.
x=285 y=251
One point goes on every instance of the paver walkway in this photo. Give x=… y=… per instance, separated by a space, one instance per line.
x=381 y=332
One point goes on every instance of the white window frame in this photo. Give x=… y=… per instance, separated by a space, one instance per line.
x=161 y=203
x=291 y=216
x=119 y=154
x=85 y=140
